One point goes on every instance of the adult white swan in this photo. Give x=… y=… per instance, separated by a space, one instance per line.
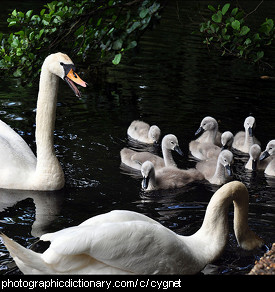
x=19 y=168
x=125 y=242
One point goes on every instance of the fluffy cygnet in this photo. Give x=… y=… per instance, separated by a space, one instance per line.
x=254 y=162
x=217 y=171
x=210 y=136
x=134 y=159
x=269 y=153
x=142 y=132
x=243 y=140
x=204 y=151
x=167 y=177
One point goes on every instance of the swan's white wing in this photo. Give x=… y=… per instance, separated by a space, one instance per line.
x=14 y=151
x=117 y=216
x=133 y=246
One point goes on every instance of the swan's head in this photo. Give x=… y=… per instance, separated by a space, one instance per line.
x=62 y=66
x=226 y=159
x=154 y=133
x=147 y=170
x=170 y=142
x=254 y=152
x=269 y=151
x=207 y=124
x=227 y=140
x=249 y=125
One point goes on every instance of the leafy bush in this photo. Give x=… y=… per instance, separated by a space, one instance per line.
x=227 y=30
x=80 y=28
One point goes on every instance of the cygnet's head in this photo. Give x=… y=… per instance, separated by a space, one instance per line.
x=207 y=124
x=254 y=152
x=154 y=133
x=226 y=159
x=147 y=170
x=62 y=66
x=249 y=125
x=170 y=142
x=227 y=140
x=269 y=150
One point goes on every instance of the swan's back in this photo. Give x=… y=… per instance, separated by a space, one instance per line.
x=17 y=159
x=142 y=132
x=134 y=159
x=172 y=177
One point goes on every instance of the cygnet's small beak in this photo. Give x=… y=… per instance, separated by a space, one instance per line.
x=145 y=182
x=228 y=169
x=254 y=165
x=177 y=148
x=264 y=155
x=200 y=130
x=250 y=132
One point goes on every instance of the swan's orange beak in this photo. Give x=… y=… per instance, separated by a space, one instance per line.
x=71 y=78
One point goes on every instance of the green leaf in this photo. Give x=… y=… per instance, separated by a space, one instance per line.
x=29 y=13
x=17 y=73
x=234 y=11
x=244 y=30
x=143 y=13
x=236 y=24
x=217 y=17
x=116 y=59
x=210 y=7
x=225 y=8
x=260 y=55
x=14 y=13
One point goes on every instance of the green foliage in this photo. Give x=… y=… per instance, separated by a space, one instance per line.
x=227 y=30
x=81 y=28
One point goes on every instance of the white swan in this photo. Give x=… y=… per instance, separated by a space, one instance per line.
x=167 y=177
x=217 y=171
x=210 y=136
x=142 y=132
x=243 y=140
x=134 y=159
x=269 y=153
x=19 y=168
x=125 y=242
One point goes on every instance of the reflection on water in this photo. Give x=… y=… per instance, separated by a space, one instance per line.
x=172 y=81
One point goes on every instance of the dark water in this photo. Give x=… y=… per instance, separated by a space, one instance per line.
x=171 y=81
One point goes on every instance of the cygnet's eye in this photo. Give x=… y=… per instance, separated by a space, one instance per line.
x=172 y=142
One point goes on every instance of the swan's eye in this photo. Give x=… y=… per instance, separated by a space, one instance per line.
x=61 y=63
x=172 y=143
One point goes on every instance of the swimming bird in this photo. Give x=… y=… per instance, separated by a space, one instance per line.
x=20 y=169
x=243 y=140
x=167 y=177
x=126 y=242
x=269 y=153
x=217 y=171
x=209 y=150
x=210 y=136
x=134 y=159
x=142 y=132
x=254 y=162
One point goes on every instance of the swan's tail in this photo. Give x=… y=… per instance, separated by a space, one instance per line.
x=28 y=261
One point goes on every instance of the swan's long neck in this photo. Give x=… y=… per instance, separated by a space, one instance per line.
x=152 y=181
x=48 y=167
x=208 y=136
x=219 y=174
x=248 y=141
x=167 y=156
x=209 y=241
